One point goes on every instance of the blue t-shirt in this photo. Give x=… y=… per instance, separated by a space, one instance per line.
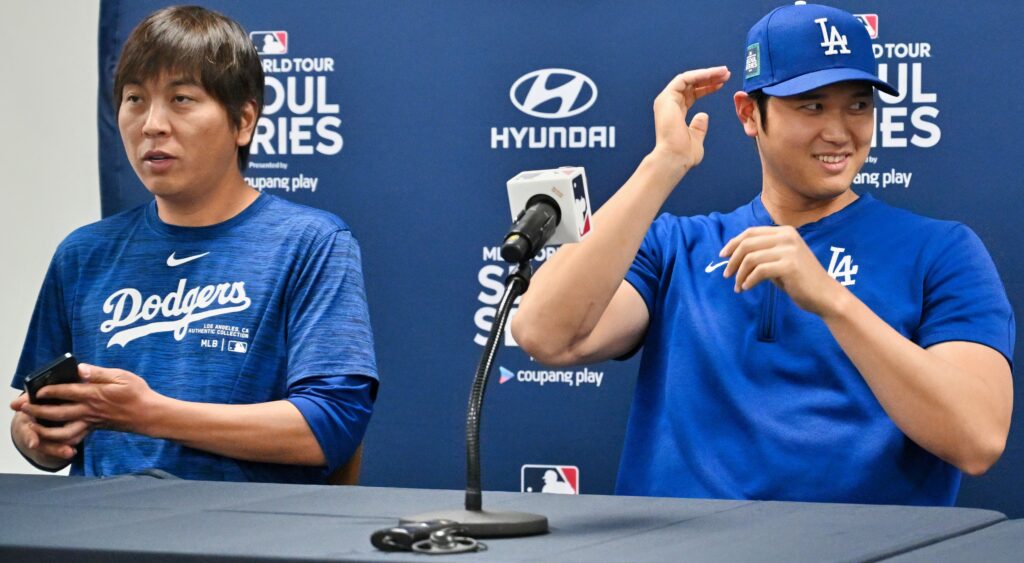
x=267 y=305
x=747 y=396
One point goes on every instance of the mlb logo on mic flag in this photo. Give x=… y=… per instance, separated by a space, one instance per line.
x=270 y=42
x=554 y=479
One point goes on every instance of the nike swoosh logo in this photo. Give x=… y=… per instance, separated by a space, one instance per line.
x=711 y=267
x=172 y=261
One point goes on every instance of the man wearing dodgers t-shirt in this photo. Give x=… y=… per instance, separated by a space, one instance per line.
x=811 y=345
x=223 y=333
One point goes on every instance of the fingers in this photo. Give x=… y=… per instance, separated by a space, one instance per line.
x=56 y=413
x=730 y=246
x=70 y=434
x=705 y=79
x=65 y=392
x=24 y=432
x=96 y=374
x=765 y=271
x=17 y=402
x=29 y=439
x=699 y=126
x=748 y=244
x=688 y=87
x=56 y=449
x=751 y=262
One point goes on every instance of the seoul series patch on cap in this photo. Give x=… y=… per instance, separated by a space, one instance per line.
x=798 y=48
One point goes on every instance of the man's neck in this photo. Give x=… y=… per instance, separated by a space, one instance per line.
x=789 y=208
x=208 y=209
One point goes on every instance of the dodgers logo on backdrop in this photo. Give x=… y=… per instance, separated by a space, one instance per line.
x=870 y=22
x=553 y=479
x=270 y=42
x=553 y=93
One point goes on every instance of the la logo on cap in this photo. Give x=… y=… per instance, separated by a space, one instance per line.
x=832 y=39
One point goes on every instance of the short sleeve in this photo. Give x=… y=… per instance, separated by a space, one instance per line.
x=646 y=272
x=328 y=321
x=964 y=298
x=49 y=332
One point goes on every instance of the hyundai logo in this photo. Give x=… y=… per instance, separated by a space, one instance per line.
x=553 y=93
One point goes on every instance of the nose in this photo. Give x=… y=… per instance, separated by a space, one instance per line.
x=156 y=123
x=836 y=130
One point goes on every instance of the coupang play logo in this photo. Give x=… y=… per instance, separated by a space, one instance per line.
x=553 y=93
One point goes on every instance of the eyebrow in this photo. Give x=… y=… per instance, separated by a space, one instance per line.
x=184 y=82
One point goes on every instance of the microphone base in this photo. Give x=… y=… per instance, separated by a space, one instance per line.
x=486 y=524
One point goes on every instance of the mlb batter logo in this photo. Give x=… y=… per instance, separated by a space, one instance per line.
x=554 y=479
x=579 y=194
x=270 y=42
x=870 y=22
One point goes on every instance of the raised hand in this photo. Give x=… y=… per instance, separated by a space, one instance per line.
x=682 y=143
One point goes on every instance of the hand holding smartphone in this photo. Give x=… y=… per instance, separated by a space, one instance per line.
x=61 y=370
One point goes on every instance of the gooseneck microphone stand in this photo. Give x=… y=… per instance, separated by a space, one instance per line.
x=478 y=522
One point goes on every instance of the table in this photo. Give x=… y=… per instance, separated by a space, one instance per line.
x=138 y=518
x=1003 y=542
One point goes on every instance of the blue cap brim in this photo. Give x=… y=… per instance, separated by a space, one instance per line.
x=817 y=79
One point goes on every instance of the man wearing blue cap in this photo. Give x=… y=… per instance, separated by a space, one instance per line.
x=874 y=367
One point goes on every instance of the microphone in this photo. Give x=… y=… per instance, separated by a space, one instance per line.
x=548 y=207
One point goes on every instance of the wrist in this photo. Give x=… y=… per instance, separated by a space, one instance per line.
x=838 y=304
x=667 y=163
x=153 y=416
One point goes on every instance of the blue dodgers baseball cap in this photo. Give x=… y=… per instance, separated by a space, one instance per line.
x=801 y=47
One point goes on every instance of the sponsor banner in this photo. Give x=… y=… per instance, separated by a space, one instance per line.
x=407 y=119
x=300 y=117
x=908 y=119
x=553 y=93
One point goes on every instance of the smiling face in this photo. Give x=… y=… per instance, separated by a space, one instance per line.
x=813 y=143
x=179 y=139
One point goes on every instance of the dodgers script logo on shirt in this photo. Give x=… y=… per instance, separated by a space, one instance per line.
x=173 y=312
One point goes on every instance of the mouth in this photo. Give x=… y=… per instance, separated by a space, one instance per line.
x=156 y=156
x=833 y=162
x=158 y=162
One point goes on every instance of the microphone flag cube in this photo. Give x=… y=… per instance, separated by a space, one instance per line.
x=567 y=186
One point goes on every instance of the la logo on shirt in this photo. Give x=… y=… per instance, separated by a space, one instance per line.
x=841 y=268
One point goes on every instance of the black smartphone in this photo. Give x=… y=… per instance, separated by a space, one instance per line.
x=61 y=370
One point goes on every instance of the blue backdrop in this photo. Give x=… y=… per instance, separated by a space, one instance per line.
x=399 y=117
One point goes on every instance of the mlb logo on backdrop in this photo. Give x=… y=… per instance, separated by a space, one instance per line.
x=870 y=22
x=270 y=42
x=554 y=479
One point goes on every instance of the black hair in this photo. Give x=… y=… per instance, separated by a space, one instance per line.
x=762 y=106
x=198 y=44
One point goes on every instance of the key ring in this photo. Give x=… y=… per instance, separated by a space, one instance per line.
x=445 y=541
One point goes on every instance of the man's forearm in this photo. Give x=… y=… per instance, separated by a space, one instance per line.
x=960 y=413
x=571 y=291
x=273 y=432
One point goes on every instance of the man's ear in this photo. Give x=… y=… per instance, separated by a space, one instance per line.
x=746 y=112
x=247 y=123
